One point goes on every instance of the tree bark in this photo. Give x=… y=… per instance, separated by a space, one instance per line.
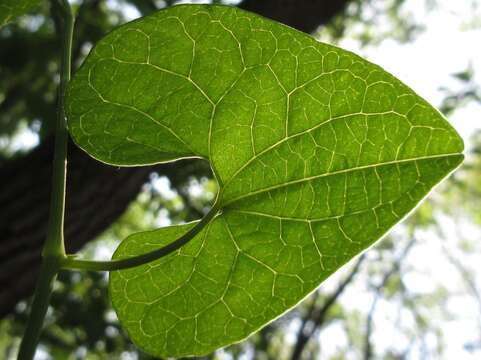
x=97 y=194
x=306 y=15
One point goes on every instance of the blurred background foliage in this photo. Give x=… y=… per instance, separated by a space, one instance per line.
x=397 y=301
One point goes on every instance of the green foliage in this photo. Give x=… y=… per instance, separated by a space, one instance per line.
x=317 y=152
x=10 y=9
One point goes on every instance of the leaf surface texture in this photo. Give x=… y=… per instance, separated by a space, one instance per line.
x=318 y=153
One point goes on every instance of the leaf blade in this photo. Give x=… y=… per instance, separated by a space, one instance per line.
x=318 y=152
x=268 y=264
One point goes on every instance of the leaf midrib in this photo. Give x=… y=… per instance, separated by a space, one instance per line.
x=343 y=171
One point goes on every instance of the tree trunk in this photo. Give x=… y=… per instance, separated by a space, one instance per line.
x=97 y=194
x=305 y=15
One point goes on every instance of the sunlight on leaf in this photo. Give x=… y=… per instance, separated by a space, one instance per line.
x=317 y=152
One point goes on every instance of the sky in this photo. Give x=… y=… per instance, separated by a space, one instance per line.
x=449 y=44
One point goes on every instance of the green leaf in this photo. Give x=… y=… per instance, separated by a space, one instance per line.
x=318 y=153
x=10 y=9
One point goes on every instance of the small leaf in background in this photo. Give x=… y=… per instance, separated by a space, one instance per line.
x=10 y=9
x=317 y=152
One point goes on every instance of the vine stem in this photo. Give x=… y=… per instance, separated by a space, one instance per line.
x=54 y=248
x=53 y=255
x=78 y=264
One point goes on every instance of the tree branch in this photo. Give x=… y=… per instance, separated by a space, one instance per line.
x=317 y=316
x=396 y=265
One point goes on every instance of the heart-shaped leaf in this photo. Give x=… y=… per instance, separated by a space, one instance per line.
x=318 y=153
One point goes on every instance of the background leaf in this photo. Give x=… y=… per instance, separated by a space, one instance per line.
x=318 y=153
x=10 y=9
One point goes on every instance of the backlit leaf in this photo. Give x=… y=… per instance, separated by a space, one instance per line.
x=318 y=153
